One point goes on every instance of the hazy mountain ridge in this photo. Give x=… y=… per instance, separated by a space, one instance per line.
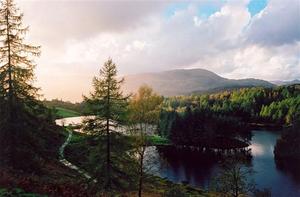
x=296 y=81
x=187 y=81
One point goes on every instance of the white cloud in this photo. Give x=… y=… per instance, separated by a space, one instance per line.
x=63 y=19
x=80 y=36
x=277 y=24
x=267 y=63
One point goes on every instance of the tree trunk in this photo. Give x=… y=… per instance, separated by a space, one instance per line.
x=236 y=184
x=108 y=165
x=108 y=155
x=10 y=87
x=10 y=134
x=141 y=171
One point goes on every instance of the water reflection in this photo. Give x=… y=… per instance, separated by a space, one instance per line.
x=71 y=121
x=257 y=149
x=199 y=168
x=193 y=167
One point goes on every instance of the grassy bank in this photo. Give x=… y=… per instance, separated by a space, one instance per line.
x=156 y=140
x=65 y=113
x=18 y=192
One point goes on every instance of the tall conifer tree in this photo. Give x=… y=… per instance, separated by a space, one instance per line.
x=17 y=94
x=108 y=104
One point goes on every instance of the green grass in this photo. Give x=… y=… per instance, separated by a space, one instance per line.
x=78 y=137
x=17 y=192
x=158 y=140
x=65 y=113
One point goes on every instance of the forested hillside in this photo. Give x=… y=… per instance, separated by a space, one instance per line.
x=185 y=119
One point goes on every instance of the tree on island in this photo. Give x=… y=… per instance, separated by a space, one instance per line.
x=18 y=104
x=108 y=105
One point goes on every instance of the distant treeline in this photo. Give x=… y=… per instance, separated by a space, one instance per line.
x=56 y=103
x=214 y=119
x=250 y=105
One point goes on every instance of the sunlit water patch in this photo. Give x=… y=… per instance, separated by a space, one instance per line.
x=199 y=170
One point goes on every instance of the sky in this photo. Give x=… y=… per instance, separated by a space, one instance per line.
x=233 y=38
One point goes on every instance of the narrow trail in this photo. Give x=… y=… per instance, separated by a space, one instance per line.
x=69 y=164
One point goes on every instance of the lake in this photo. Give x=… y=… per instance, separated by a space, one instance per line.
x=198 y=169
x=71 y=121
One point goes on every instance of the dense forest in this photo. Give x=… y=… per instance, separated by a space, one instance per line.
x=198 y=120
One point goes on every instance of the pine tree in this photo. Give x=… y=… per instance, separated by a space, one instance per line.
x=17 y=94
x=108 y=105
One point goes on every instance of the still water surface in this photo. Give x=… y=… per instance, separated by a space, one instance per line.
x=198 y=170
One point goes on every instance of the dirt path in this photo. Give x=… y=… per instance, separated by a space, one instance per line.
x=69 y=164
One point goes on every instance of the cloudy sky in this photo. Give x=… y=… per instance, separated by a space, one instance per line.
x=233 y=38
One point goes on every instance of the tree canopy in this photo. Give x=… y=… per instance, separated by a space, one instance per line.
x=108 y=105
x=18 y=97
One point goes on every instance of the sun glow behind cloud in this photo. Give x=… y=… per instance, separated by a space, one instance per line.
x=237 y=39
